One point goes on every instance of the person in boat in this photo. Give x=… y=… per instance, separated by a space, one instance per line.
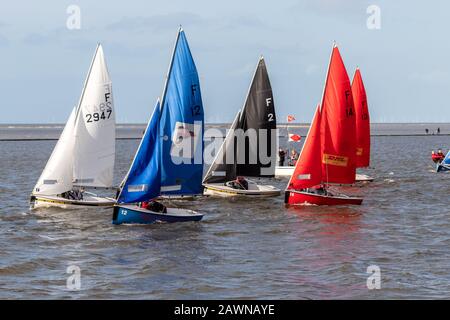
x=154 y=206
x=281 y=157
x=441 y=155
x=435 y=157
x=240 y=183
x=293 y=158
x=75 y=194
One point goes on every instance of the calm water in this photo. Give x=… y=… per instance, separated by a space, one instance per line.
x=241 y=249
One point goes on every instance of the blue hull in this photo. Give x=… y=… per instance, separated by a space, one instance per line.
x=140 y=216
x=442 y=167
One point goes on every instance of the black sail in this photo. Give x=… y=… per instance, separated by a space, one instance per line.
x=222 y=170
x=258 y=113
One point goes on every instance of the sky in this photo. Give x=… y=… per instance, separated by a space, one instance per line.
x=404 y=63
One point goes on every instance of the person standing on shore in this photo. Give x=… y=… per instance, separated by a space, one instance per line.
x=281 y=157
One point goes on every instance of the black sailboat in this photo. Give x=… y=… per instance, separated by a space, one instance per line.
x=241 y=157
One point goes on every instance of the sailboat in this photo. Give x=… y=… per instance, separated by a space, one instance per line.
x=169 y=160
x=84 y=154
x=328 y=155
x=143 y=182
x=243 y=157
x=182 y=126
x=362 y=126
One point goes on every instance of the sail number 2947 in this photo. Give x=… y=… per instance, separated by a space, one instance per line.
x=103 y=111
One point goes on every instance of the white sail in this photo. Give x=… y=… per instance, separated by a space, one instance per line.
x=94 y=150
x=57 y=175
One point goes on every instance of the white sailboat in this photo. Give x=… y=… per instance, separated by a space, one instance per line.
x=85 y=152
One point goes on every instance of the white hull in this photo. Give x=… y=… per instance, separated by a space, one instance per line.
x=219 y=189
x=40 y=201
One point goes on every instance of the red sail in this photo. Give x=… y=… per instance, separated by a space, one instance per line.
x=308 y=169
x=338 y=125
x=362 y=121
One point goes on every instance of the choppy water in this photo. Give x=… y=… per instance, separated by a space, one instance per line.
x=241 y=249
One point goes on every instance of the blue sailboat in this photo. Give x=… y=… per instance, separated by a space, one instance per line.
x=169 y=160
x=143 y=183
x=181 y=125
x=445 y=164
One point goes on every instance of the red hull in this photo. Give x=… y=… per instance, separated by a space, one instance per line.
x=300 y=197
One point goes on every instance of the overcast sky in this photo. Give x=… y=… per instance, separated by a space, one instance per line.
x=405 y=64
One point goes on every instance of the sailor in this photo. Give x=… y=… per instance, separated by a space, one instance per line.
x=154 y=206
x=281 y=157
x=441 y=155
x=437 y=157
x=240 y=183
x=319 y=189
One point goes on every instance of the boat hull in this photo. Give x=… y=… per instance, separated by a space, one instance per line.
x=220 y=190
x=293 y=197
x=40 y=201
x=132 y=214
x=441 y=167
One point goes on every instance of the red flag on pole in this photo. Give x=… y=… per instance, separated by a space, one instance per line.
x=294 y=137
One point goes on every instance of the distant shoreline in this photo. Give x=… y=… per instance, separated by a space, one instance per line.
x=282 y=136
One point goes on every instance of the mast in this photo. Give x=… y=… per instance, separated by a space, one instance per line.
x=163 y=96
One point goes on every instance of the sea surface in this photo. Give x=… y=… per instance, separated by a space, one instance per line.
x=242 y=249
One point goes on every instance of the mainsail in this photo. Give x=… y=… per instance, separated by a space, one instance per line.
x=258 y=119
x=362 y=121
x=143 y=181
x=338 y=126
x=94 y=149
x=223 y=168
x=182 y=125
x=58 y=172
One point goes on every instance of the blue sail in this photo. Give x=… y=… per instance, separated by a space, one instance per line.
x=182 y=125
x=143 y=181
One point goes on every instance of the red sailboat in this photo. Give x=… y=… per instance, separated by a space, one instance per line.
x=329 y=153
x=362 y=125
